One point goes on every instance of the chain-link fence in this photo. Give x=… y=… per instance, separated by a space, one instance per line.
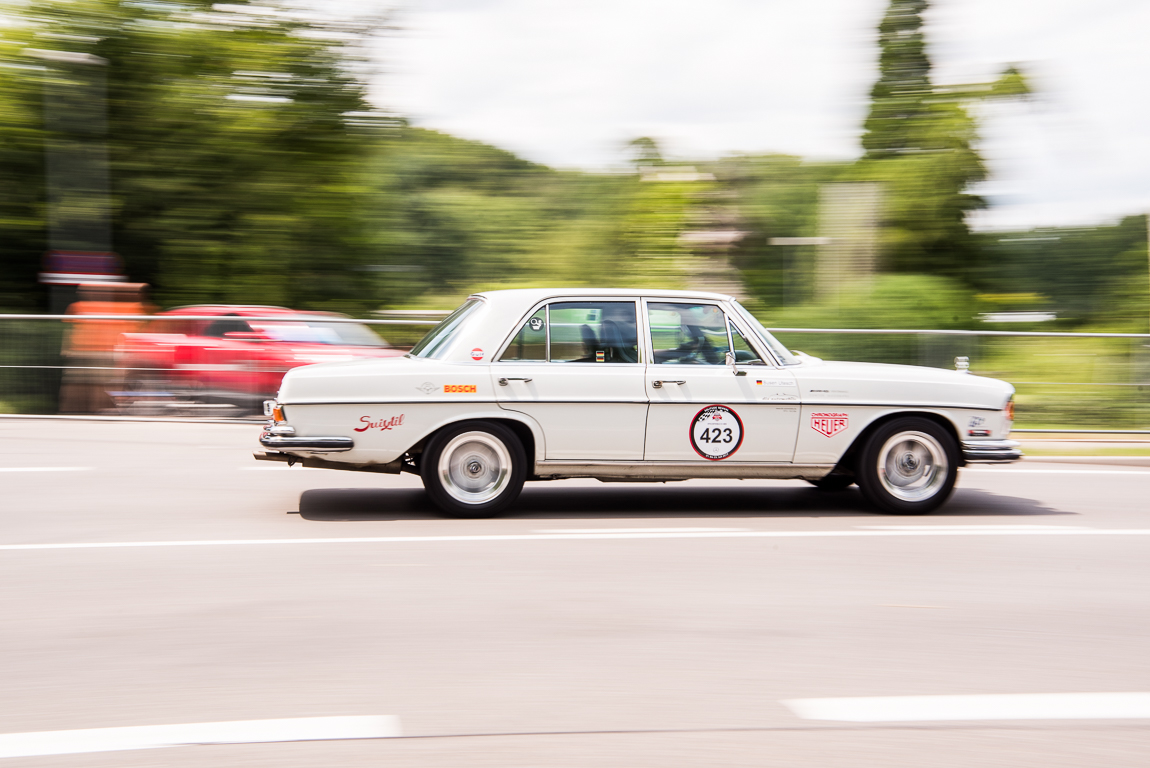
x=223 y=366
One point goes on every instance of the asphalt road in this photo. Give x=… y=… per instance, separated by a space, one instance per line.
x=595 y=625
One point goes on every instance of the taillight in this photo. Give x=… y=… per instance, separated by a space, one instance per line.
x=1010 y=409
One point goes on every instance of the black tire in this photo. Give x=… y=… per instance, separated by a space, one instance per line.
x=833 y=483
x=473 y=469
x=908 y=466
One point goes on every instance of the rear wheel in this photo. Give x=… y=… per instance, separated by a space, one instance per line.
x=908 y=467
x=473 y=469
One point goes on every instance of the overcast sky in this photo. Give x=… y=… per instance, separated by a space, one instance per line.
x=569 y=82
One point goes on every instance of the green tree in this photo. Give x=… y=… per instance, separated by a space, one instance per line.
x=236 y=139
x=919 y=142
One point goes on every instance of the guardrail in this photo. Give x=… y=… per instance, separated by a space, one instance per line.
x=1066 y=382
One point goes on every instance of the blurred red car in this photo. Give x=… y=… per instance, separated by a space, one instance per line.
x=234 y=360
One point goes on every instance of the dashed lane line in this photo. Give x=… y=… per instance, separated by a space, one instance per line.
x=45 y=469
x=187 y=734
x=1000 y=706
x=925 y=530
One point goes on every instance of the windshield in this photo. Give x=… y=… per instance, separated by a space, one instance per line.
x=320 y=332
x=435 y=343
x=781 y=353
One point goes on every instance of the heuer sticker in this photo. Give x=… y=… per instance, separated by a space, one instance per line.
x=477 y=354
x=459 y=389
x=427 y=388
x=829 y=424
x=382 y=424
x=716 y=432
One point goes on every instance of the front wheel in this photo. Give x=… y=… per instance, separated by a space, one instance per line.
x=474 y=469
x=908 y=467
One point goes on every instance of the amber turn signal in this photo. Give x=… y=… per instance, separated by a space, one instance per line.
x=1010 y=409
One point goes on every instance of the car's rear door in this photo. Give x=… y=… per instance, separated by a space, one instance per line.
x=575 y=367
x=702 y=408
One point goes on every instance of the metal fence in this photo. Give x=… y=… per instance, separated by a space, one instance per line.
x=1065 y=381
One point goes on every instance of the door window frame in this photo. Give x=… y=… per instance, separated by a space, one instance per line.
x=649 y=341
x=640 y=326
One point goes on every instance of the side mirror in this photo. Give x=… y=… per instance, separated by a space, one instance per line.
x=732 y=362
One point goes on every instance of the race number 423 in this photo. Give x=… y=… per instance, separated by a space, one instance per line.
x=716 y=432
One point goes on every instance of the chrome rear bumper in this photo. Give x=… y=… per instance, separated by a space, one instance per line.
x=985 y=451
x=309 y=444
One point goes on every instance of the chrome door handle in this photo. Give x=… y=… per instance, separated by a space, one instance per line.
x=659 y=384
x=503 y=381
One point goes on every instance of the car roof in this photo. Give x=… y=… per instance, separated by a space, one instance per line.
x=250 y=310
x=522 y=296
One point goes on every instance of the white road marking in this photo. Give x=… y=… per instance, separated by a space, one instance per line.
x=233 y=732
x=44 y=469
x=636 y=530
x=1003 y=706
x=972 y=527
x=1024 y=471
x=925 y=530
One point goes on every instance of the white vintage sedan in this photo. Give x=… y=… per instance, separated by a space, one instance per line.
x=639 y=386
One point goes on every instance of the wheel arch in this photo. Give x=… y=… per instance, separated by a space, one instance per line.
x=524 y=427
x=846 y=464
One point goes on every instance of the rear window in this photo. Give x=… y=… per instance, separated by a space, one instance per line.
x=439 y=338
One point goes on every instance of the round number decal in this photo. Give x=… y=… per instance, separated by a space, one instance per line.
x=716 y=432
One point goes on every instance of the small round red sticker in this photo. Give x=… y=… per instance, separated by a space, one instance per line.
x=477 y=354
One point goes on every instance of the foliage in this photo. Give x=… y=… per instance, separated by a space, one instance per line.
x=778 y=197
x=234 y=143
x=919 y=142
x=1094 y=275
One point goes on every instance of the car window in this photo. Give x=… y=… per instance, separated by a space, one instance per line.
x=688 y=334
x=744 y=352
x=436 y=342
x=593 y=332
x=321 y=332
x=776 y=347
x=232 y=324
x=531 y=341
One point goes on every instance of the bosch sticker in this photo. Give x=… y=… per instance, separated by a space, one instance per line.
x=829 y=424
x=460 y=389
x=477 y=354
x=716 y=432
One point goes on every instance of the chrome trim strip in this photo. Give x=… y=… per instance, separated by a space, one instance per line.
x=988 y=451
x=316 y=444
x=680 y=470
x=900 y=406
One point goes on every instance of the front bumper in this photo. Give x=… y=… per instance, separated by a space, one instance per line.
x=987 y=451
x=285 y=443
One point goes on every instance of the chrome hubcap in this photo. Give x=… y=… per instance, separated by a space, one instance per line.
x=474 y=467
x=912 y=466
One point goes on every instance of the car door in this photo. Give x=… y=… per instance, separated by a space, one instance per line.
x=575 y=367
x=702 y=406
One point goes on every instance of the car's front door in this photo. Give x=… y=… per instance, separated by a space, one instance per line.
x=704 y=408
x=575 y=367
